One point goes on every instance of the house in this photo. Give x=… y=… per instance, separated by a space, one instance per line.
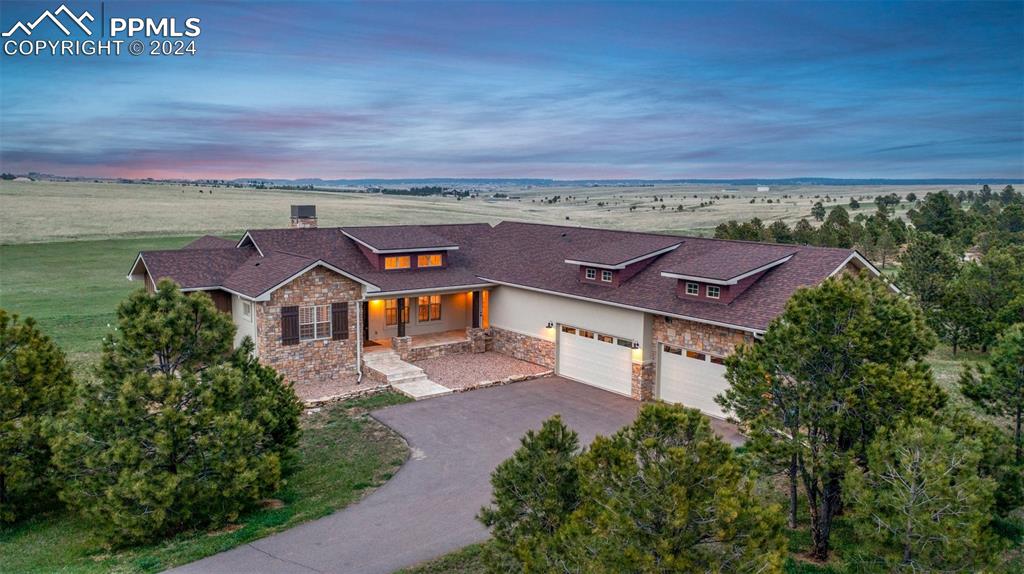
x=640 y=314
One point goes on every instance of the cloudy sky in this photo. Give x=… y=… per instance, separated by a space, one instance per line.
x=667 y=90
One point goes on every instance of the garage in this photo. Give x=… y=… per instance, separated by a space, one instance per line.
x=691 y=378
x=597 y=359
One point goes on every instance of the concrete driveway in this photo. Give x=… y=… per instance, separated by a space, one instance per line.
x=428 y=508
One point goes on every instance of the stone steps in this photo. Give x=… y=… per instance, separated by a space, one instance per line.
x=404 y=377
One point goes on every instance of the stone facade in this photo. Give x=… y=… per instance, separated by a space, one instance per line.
x=477 y=339
x=524 y=347
x=434 y=351
x=642 y=388
x=718 y=341
x=401 y=345
x=318 y=361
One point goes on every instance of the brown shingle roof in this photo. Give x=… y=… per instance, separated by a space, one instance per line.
x=723 y=260
x=622 y=249
x=536 y=261
x=398 y=237
x=523 y=254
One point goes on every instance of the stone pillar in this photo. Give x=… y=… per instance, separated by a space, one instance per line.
x=643 y=382
x=401 y=345
x=477 y=339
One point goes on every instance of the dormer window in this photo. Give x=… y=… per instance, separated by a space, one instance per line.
x=591 y=273
x=692 y=289
x=713 y=291
x=397 y=262
x=429 y=260
x=606 y=276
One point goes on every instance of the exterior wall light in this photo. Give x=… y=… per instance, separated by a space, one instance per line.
x=636 y=345
x=551 y=325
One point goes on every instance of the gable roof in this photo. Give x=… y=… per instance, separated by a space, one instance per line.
x=526 y=255
x=617 y=253
x=398 y=238
x=724 y=262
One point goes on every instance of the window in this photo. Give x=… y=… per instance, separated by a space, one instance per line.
x=314 y=322
x=397 y=262
x=695 y=355
x=718 y=360
x=570 y=330
x=605 y=338
x=591 y=273
x=391 y=312
x=428 y=308
x=692 y=289
x=587 y=334
x=673 y=350
x=429 y=260
x=624 y=343
x=714 y=291
x=606 y=276
x=247 y=309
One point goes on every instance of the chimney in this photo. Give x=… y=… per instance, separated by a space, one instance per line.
x=303 y=217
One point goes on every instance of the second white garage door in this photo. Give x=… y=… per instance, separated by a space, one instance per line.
x=596 y=359
x=691 y=378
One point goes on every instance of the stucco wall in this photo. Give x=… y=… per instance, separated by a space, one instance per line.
x=528 y=312
x=455 y=314
x=244 y=326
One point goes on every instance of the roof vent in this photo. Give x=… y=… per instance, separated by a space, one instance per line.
x=304 y=216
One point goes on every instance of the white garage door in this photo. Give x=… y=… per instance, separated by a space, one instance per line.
x=691 y=378
x=595 y=359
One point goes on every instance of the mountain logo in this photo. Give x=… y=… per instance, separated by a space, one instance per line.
x=27 y=28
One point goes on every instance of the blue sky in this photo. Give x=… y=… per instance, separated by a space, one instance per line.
x=579 y=90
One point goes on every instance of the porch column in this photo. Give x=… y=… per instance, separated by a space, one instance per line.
x=476 y=309
x=401 y=316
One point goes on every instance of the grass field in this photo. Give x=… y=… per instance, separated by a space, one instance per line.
x=41 y=211
x=72 y=288
x=343 y=455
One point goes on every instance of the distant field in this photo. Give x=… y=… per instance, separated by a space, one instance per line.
x=33 y=212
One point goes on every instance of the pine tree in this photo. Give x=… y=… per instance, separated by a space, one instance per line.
x=534 y=492
x=844 y=359
x=176 y=432
x=665 y=494
x=1000 y=390
x=920 y=505
x=35 y=386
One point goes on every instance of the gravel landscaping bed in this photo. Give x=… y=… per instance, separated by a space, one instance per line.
x=470 y=370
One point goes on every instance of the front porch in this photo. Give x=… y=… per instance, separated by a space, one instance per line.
x=427 y=326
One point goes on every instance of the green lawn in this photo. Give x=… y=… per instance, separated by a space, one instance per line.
x=72 y=288
x=342 y=456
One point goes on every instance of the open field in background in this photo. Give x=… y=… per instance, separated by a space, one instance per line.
x=72 y=288
x=41 y=211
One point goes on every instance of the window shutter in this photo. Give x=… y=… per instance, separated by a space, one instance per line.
x=289 y=325
x=339 y=321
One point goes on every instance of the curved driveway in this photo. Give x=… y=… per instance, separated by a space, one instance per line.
x=428 y=508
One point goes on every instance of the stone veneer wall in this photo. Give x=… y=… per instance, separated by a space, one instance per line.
x=719 y=341
x=434 y=351
x=642 y=388
x=318 y=361
x=524 y=347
